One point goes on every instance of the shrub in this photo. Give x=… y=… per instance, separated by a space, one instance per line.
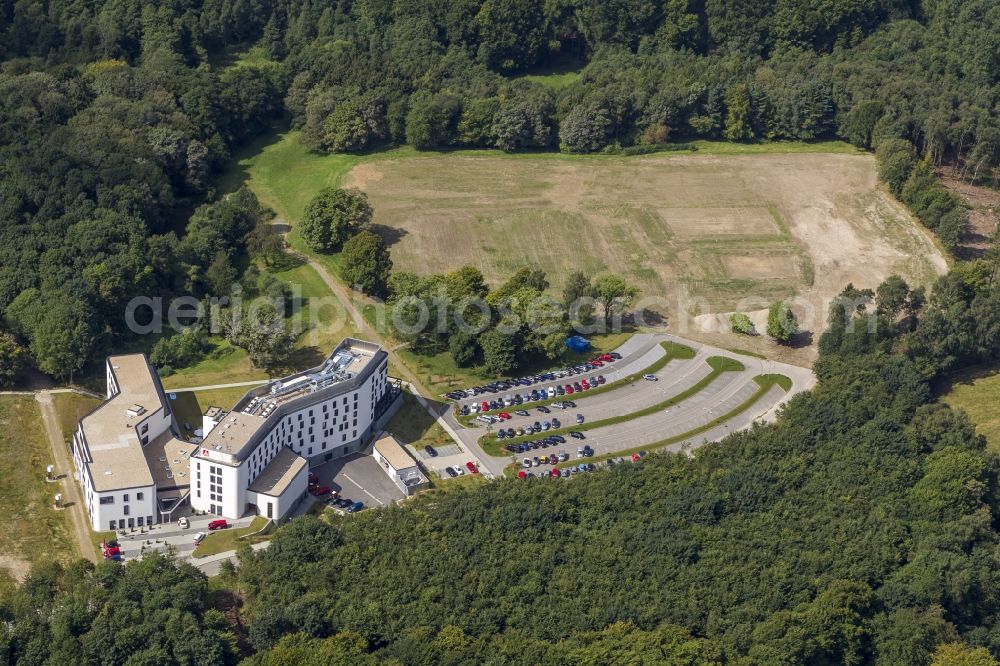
x=740 y=323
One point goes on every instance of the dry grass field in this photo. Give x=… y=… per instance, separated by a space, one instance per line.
x=730 y=231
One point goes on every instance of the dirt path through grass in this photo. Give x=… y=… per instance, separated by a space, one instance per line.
x=64 y=469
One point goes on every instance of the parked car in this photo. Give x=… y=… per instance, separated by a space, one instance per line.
x=569 y=389
x=614 y=355
x=501 y=434
x=544 y=410
x=546 y=425
x=555 y=473
x=198 y=538
x=585 y=384
x=522 y=474
x=343 y=502
x=183 y=523
x=510 y=432
x=579 y=418
x=570 y=404
x=354 y=508
x=535 y=462
x=429 y=450
x=472 y=467
x=526 y=463
x=563 y=456
x=650 y=378
x=320 y=491
x=219 y=524
x=504 y=416
x=450 y=472
x=576 y=434
x=521 y=412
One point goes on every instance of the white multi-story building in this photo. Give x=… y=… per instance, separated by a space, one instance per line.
x=255 y=458
x=134 y=471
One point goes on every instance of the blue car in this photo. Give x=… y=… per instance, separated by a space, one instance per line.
x=357 y=506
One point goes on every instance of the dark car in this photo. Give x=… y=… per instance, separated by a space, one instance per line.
x=510 y=432
x=354 y=508
x=615 y=355
x=544 y=410
x=559 y=439
x=570 y=403
x=576 y=434
x=430 y=451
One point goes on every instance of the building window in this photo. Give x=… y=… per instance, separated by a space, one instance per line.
x=108 y=500
x=125 y=511
x=121 y=523
x=270 y=509
x=139 y=521
x=138 y=497
x=111 y=525
x=125 y=497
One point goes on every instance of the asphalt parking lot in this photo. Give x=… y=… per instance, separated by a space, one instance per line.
x=358 y=477
x=719 y=397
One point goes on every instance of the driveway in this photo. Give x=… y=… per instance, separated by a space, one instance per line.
x=358 y=477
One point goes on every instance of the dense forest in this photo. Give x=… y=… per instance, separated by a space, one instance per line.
x=858 y=529
x=116 y=115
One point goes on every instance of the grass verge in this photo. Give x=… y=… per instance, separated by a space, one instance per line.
x=71 y=407
x=719 y=365
x=764 y=384
x=228 y=539
x=33 y=530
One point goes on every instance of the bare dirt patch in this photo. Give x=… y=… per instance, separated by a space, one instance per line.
x=702 y=234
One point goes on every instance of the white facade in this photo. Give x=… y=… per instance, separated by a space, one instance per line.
x=319 y=414
x=118 y=487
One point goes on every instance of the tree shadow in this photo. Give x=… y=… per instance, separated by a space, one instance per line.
x=801 y=339
x=391 y=235
x=304 y=358
x=965 y=377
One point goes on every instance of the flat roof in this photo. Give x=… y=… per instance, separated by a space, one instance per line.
x=232 y=433
x=275 y=479
x=117 y=458
x=394 y=453
x=350 y=362
x=168 y=459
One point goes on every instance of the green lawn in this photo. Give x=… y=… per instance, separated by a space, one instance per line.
x=719 y=365
x=71 y=407
x=33 y=531
x=413 y=425
x=284 y=174
x=977 y=391
x=221 y=541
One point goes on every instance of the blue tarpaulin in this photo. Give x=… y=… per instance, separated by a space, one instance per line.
x=578 y=344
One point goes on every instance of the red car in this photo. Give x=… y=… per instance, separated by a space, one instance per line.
x=596 y=362
x=607 y=358
x=504 y=415
x=472 y=467
x=485 y=407
x=522 y=474
x=584 y=384
x=219 y=524
x=568 y=389
x=319 y=492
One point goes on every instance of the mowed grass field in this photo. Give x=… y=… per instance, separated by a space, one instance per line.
x=721 y=227
x=977 y=391
x=33 y=531
x=727 y=226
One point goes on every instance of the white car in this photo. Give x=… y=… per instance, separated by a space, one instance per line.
x=650 y=378
x=182 y=523
x=199 y=537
